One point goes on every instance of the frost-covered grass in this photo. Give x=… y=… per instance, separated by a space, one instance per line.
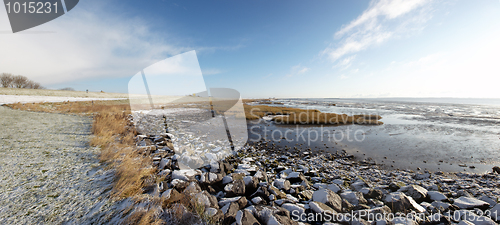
x=49 y=173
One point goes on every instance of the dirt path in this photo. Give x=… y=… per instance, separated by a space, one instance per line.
x=48 y=172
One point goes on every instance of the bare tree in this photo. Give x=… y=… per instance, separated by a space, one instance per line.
x=6 y=80
x=19 y=81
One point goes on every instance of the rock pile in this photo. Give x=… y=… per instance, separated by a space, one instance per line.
x=259 y=185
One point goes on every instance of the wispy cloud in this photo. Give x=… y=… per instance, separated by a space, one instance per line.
x=296 y=70
x=383 y=20
x=345 y=63
x=90 y=42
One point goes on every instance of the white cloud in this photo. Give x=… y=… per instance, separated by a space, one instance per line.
x=343 y=77
x=383 y=20
x=88 y=42
x=345 y=63
x=297 y=69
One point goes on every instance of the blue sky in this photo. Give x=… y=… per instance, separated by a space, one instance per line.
x=413 y=48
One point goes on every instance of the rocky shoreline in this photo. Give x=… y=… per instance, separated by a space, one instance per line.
x=261 y=184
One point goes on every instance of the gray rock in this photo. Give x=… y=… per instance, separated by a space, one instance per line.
x=230 y=215
x=202 y=199
x=319 y=207
x=418 y=193
x=179 y=184
x=257 y=200
x=225 y=201
x=236 y=188
x=272 y=215
x=358 y=185
x=306 y=195
x=470 y=203
x=399 y=202
x=164 y=163
x=276 y=192
x=244 y=217
x=329 y=198
x=185 y=175
x=192 y=188
x=495 y=212
x=210 y=212
x=373 y=194
x=334 y=187
x=393 y=186
x=437 y=196
x=488 y=200
x=294 y=209
x=227 y=179
x=296 y=177
x=496 y=169
x=282 y=184
x=354 y=198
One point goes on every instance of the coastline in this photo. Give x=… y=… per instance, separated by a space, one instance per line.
x=265 y=184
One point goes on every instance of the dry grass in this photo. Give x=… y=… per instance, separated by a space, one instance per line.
x=307 y=116
x=114 y=134
x=85 y=108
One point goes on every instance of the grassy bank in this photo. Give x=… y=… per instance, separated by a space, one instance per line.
x=115 y=135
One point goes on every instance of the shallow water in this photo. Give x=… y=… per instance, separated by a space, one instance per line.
x=434 y=134
x=49 y=174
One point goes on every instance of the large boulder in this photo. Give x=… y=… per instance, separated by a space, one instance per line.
x=261 y=192
x=319 y=207
x=373 y=193
x=399 y=202
x=329 y=198
x=306 y=195
x=495 y=212
x=436 y=196
x=192 y=189
x=276 y=192
x=185 y=175
x=236 y=188
x=470 y=203
x=418 y=193
x=296 y=177
x=353 y=197
x=282 y=184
